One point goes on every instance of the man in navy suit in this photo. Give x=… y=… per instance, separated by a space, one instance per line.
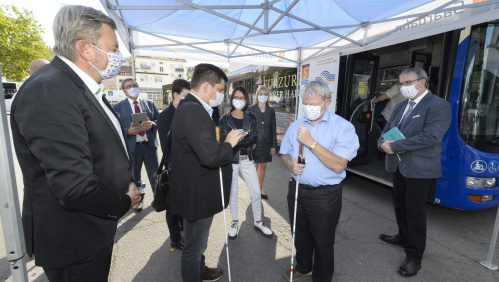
x=141 y=138
x=414 y=162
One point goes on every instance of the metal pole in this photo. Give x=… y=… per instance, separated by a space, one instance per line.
x=488 y=263
x=9 y=204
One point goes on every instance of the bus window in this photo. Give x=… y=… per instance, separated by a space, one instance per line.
x=479 y=105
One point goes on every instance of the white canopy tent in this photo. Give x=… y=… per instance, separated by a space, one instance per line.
x=284 y=32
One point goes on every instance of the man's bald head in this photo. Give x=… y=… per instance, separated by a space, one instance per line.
x=36 y=64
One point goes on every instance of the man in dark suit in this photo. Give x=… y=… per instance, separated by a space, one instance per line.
x=141 y=138
x=72 y=152
x=180 y=89
x=414 y=162
x=195 y=192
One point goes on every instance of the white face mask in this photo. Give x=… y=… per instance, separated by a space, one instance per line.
x=218 y=100
x=409 y=91
x=133 y=92
x=313 y=112
x=238 y=104
x=263 y=98
x=114 y=61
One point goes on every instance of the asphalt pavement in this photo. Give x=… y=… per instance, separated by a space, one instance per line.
x=457 y=240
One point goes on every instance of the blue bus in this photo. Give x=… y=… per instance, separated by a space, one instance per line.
x=462 y=67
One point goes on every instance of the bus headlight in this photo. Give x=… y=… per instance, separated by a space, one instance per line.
x=481 y=182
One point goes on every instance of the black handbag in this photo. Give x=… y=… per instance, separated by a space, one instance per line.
x=162 y=183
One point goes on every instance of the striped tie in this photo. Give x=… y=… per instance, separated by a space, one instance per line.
x=406 y=115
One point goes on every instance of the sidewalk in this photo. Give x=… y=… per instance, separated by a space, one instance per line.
x=457 y=240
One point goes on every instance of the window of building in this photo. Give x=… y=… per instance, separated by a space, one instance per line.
x=160 y=63
x=172 y=66
x=144 y=78
x=161 y=69
x=172 y=75
x=158 y=79
x=153 y=65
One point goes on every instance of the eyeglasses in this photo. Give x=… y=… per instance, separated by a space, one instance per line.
x=131 y=86
x=239 y=98
x=407 y=83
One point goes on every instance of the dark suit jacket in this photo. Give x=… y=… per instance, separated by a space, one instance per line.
x=196 y=157
x=267 y=135
x=424 y=129
x=125 y=111
x=74 y=166
x=164 y=124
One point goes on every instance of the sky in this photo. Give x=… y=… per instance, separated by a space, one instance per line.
x=44 y=12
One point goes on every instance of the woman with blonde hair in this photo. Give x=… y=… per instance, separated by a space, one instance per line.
x=267 y=138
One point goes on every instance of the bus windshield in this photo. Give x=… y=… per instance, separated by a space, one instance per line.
x=479 y=105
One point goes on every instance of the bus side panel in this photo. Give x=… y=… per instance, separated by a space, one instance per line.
x=459 y=160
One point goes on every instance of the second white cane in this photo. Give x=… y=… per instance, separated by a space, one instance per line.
x=217 y=132
x=301 y=160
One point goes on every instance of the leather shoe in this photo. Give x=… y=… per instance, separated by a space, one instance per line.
x=409 y=268
x=140 y=207
x=395 y=240
x=178 y=245
x=211 y=274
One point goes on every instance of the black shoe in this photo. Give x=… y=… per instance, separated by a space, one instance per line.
x=395 y=240
x=265 y=196
x=409 y=268
x=140 y=207
x=178 y=245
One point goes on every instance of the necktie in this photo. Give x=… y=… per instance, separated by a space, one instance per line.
x=137 y=111
x=406 y=115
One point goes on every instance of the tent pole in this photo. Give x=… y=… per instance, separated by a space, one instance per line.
x=9 y=205
x=298 y=81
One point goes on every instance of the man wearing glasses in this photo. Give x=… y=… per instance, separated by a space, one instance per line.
x=414 y=162
x=142 y=141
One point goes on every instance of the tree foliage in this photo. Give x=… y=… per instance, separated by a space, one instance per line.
x=20 y=42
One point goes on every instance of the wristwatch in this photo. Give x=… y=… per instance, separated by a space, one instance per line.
x=313 y=145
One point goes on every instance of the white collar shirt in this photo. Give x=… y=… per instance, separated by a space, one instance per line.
x=138 y=138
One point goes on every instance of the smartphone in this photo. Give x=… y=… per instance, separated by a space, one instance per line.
x=244 y=132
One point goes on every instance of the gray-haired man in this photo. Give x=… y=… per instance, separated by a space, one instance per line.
x=72 y=152
x=414 y=162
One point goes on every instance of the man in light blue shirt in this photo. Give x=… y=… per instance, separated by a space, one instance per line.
x=329 y=143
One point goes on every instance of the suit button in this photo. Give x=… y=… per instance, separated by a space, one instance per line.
x=128 y=169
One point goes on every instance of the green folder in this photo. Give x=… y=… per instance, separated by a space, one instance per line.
x=393 y=134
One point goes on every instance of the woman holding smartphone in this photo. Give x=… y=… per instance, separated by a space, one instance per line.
x=267 y=138
x=242 y=164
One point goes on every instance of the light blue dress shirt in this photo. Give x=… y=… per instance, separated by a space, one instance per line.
x=332 y=132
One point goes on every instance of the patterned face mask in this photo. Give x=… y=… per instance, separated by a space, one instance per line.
x=114 y=61
x=238 y=104
x=263 y=98
x=409 y=91
x=133 y=92
x=313 y=112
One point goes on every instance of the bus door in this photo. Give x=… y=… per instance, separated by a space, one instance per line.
x=359 y=89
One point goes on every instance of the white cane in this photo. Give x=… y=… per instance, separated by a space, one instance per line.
x=217 y=131
x=301 y=161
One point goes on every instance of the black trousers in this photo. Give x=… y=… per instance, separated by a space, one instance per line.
x=94 y=268
x=317 y=215
x=409 y=200
x=174 y=222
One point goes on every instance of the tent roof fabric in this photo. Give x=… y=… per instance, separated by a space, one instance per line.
x=283 y=32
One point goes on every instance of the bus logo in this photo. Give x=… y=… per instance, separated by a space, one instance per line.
x=479 y=166
x=325 y=77
x=493 y=166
